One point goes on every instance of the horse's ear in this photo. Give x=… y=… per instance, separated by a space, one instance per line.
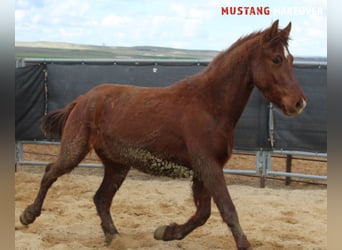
x=271 y=32
x=286 y=31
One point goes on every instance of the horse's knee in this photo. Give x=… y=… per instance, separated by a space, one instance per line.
x=203 y=211
x=57 y=169
x=202 y=219
x=48 y=167
x=102 y=203
x=97 y=200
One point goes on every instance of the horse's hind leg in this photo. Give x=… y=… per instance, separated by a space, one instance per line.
x=114 y=175
x=202 y=201
x=72 y=152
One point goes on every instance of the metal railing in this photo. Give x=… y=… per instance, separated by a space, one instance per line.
x=263 y=166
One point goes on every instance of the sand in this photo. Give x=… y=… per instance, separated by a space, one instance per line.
x=272 y=218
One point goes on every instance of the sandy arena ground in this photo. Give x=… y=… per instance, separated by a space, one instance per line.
x=276 y=217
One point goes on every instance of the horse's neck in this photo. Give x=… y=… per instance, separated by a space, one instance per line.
x=230 y=85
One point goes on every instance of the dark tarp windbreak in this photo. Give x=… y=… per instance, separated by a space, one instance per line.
x=29 y=102
x=306 y=132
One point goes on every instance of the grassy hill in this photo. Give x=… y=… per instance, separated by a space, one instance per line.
x=53 y=50
x=69 y=50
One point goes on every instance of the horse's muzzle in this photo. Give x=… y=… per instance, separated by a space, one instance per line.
x=297 y=109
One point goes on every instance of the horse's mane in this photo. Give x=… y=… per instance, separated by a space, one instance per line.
x=246 y=38
x=242 y=40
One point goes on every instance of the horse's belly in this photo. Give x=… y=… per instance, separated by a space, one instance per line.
x=146 y=162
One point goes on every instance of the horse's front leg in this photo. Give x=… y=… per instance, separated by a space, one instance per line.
x=202 y=201
x=213 y=179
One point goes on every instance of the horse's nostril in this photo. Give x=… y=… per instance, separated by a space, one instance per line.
x=299 y=104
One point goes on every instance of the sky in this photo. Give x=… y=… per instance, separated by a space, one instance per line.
x=180 y=24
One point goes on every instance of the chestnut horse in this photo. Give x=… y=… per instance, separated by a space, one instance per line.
x=189 y=124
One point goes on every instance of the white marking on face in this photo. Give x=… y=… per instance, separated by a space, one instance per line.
x=286 y=52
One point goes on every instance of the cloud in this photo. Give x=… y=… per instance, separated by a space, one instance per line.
x=19 y=16
x=112 y=20
x=69 y=8
x=27 y=4
x=322 y=3
x=177 y=23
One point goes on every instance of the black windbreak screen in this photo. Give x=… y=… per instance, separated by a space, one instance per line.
x=251 y=132
x=306 y=132
x=29 y=102
x=66 y=82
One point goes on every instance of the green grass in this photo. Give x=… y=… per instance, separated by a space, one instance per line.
x=99 y=52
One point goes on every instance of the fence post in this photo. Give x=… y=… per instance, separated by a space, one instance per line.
x=263 y=165
x=20 y=62
x=18 y=154
x=288 y=169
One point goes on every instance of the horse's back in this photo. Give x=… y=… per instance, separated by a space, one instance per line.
x=139 y=115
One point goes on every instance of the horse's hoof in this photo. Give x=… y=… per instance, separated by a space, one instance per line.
x=244 y=244
x=108 y=239
x=26 y=218
x=159 y=233
x=114 y=241
x=23 y=220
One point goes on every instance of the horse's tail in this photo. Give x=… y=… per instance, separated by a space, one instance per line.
x=53 y=123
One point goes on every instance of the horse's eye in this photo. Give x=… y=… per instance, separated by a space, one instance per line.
x=277 y=60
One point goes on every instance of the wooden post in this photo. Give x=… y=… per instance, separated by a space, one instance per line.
x=262 y=182
x=288 y=169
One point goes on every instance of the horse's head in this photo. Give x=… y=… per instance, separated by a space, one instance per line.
x=273 y=71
